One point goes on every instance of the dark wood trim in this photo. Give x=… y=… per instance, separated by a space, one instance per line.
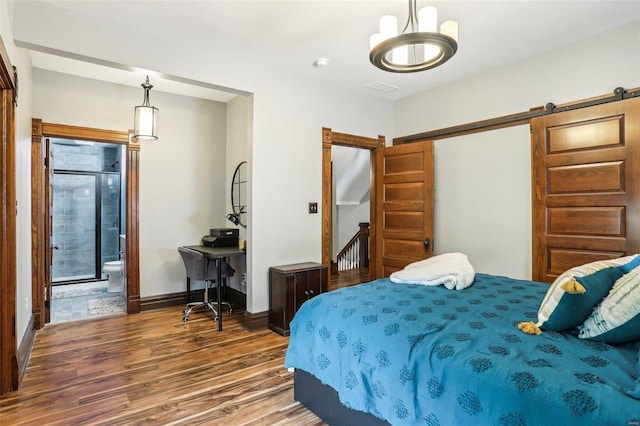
x=517 y=118
x=353 y=141
x=40 y=209
x=330 y=138
x=38 y=225
x=326 y=197
x=163 y=301
x=133 y=237
x=469 y=128
x=254 y=321
x=235 y=297
x=24 y=350
x=54 y=130
x=8 y=75
x=9 y=371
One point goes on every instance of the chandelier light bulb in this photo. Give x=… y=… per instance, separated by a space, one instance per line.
x=428 y=20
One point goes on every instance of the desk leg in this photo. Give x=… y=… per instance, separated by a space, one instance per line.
x=218 y=288
x=188 y=290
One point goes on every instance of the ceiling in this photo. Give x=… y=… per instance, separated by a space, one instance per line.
x=288 y=36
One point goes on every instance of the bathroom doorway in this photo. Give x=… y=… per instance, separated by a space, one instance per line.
x=87 y=229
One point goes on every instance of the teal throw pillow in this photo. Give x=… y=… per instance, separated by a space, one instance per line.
x=576 y=292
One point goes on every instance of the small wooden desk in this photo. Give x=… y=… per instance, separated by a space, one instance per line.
x=218 y=253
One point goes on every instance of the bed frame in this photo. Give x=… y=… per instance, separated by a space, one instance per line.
x=324 y=402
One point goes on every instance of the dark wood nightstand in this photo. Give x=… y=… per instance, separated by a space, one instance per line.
x=289 y=287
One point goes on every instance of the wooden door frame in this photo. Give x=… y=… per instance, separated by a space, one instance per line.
x=9 y=372
x=330 y=138
x=40 y=238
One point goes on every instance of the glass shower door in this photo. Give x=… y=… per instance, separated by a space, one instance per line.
x=109 y=218
x=74 y=227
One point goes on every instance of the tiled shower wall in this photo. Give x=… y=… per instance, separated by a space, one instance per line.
x=78 y=168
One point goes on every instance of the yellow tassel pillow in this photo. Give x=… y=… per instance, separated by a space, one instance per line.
x=573 y=295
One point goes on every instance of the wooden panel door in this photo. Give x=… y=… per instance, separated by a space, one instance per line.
x=404 y=206
x=586 y=186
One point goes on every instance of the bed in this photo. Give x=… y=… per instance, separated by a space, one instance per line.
x=406 y=354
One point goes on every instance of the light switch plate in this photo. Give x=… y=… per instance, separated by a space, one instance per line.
x=313 y=208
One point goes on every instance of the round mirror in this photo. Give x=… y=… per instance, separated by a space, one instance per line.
x=239 y=195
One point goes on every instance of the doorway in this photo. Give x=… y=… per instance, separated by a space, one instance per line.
x=42 y=206
x=351 y=210
x=87 y=232
x=330 y=139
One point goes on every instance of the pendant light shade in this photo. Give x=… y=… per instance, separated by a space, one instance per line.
x=145 y=118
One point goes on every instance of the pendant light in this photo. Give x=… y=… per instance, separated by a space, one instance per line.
x=145 y=117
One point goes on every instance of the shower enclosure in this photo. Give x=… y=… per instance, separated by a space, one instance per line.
x=86 y=209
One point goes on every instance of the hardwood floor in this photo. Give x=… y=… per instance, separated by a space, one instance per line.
x=349 y=278
x=151 y=368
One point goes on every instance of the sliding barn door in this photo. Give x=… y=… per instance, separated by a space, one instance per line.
x=404 y=210
x=586 y=186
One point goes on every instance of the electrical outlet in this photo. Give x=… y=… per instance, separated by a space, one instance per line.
x=313 y=208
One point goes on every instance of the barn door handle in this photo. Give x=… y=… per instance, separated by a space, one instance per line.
x=426 y=244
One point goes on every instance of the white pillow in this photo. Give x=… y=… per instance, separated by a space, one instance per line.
x=617 y=318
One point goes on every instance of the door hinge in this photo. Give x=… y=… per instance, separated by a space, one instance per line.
x=46 y=299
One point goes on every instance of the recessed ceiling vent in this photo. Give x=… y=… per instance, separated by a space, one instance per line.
x=382 y=87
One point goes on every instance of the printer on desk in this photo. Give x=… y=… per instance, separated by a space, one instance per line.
x=221 y=237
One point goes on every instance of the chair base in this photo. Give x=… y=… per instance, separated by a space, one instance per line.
x=208 y=305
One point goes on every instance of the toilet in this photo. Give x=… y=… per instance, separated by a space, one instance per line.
x=115 y=272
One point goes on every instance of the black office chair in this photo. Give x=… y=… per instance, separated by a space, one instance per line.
x=200 y=268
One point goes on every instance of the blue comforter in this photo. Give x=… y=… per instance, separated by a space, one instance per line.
x=412 y=354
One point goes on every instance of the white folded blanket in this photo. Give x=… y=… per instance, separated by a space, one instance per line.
x=453 y=270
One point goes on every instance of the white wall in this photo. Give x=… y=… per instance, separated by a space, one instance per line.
x=287 y=170
x=239 y=119
x=483 y=189
x=22 y=62
x=182 y=174
x=349 y=217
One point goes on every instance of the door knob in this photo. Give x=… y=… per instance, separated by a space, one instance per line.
x=426 y=244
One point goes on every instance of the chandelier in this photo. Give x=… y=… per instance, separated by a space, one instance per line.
x=420 y=46
x=145 y=117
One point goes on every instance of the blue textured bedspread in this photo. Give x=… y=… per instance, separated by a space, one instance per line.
x=413 y=355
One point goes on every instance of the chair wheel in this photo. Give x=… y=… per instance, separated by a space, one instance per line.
x=185 y=319
x=215 y=319
x=230 y=310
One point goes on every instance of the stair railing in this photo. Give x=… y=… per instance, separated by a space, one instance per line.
x=355 y=253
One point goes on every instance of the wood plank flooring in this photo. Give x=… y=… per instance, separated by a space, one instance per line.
x=349 y=278
x=153 y=369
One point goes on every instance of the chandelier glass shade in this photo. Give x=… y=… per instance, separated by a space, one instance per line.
x=145 y=118
x=420 y=46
